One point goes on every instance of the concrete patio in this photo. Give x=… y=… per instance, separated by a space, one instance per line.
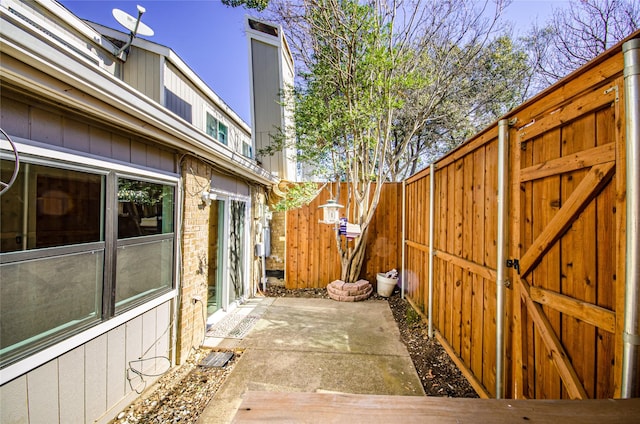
x=315 y=346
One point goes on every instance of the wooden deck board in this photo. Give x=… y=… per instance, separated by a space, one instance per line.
x=339 y=408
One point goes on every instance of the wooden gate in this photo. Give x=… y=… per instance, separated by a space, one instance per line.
x=567 y=227
x=561 y=330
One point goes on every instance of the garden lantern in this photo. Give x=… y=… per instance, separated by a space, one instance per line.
x=331 y=215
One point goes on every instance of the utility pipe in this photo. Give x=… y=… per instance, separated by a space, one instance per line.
x=631 y=335
x=503 y=147
x=403 y=274
x=432 y=187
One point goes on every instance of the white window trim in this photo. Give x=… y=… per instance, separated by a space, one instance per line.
x=31 y=362
x=219 y=117
x=46 y=155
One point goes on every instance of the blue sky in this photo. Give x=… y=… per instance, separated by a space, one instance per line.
x=209 y=37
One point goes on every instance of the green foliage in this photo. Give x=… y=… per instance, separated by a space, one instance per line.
x=140 y=192
x=297 y=195
x=259 y=5
x=384 y=84
x=411 y=316
x=344 y=103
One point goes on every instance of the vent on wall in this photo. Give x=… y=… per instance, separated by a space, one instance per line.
x=262 y=27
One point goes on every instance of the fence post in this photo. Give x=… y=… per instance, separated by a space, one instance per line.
x=403 y=274
x=631 y=334
x=501 y=256
x=432 y=187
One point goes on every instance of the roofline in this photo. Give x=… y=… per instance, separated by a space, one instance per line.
x=130 y=108
x=173 y=57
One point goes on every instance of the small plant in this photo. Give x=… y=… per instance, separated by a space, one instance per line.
x=412 y=316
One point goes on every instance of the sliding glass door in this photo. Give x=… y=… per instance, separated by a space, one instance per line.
x=228 y=260
x=236 y=250
x=217 y=251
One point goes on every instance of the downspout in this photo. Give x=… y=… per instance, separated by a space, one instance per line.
x=503 y=147
x=631 y=335
x=432 y=187
x=403 y=276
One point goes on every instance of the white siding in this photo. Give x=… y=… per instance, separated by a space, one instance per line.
x=71 y=386
x=43 y=394
x=14 y=407
x=163 y=326
x=148 y=341
x=95 y=386
x=116 y=362
x=133 y=351
x=89 y=383
x=188 y=102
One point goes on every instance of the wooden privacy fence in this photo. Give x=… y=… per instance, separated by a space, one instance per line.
x=312 y=259
x=533 y=305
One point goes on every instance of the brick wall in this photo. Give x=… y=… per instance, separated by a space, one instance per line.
x=196 y=251
x=195 y=245
x=275 y=262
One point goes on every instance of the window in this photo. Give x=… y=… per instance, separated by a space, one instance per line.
x=222 y=133
x=51 y=255
x=66 y=261
x=217 y=129
x=247 y=150
x=145 y=237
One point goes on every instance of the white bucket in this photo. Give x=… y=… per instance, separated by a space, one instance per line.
x=385 y=285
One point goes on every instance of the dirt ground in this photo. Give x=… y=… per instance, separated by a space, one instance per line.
x=182 y=394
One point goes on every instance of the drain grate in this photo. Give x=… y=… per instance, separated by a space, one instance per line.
x=216 y=359
x=234 y=326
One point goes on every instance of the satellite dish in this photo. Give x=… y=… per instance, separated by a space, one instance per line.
x=132 y=24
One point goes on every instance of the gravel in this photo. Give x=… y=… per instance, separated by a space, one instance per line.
x=182 y=394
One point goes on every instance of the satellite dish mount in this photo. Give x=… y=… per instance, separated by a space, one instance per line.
x=134 y=26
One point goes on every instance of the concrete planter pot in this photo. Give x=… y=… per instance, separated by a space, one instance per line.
x=385 y=284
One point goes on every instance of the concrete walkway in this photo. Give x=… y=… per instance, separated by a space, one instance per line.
x=316 y=345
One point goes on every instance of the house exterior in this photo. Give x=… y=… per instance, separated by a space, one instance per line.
x=131 y=222
x=272 y=77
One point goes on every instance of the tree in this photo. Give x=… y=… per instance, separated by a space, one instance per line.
x=249 y=4
x=375 y=77
x=482 y=85
x=581 y=32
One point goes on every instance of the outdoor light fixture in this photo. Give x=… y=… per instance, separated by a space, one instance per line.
x=207 y=197
x=331 y=215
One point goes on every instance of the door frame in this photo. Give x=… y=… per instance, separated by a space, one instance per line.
x=225 y=305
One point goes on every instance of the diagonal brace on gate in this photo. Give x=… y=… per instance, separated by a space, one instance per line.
x=559 y=356
x=591 y=185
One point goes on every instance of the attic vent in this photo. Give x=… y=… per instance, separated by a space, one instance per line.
x=262 y=27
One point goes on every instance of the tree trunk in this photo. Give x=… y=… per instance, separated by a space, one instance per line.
x=353 y=259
